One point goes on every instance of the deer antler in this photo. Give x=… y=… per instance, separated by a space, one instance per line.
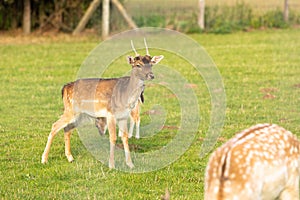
x=136 y=53
x=147 y=51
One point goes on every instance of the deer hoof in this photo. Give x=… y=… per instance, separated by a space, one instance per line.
x=130 y=165
x=44 y=160
x=111 y=166
x=70 y=158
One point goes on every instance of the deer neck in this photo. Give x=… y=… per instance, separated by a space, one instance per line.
x=134 y=89
x=125 y=95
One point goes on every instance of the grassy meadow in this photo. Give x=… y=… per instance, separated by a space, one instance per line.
x=260 y=72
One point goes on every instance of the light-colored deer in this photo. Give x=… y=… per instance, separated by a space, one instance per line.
x=101 y=123
x=261 y=162
x=135 y=118
x=112 y=98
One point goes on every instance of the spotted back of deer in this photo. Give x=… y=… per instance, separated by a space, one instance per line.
x=261 y=162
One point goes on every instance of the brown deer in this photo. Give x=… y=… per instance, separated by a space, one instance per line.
x=112 y=98
x=134 y=120
x=261 y=162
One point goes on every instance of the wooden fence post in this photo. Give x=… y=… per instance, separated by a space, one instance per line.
x=26 y=17
x=87 y=15
x=105 y=19
x=201 y=16
x=122 y=10
x=286 y=11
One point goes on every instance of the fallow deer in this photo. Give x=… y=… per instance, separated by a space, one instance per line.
x=261 y=162
x=112 y=98
x=134 y=120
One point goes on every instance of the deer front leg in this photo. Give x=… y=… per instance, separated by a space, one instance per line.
x=111 y=123
x=123 y=128
x=135 y=119
x=131 y=127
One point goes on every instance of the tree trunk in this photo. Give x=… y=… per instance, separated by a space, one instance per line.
x=14 y=17
x=87 y=15
x=124 y=13
x=286 y=11
x=58 y=14
x=201 y=16
x=26 y=17
x=105 y=19
x=42 y=15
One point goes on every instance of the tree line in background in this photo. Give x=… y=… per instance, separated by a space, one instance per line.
x=65 y=15
x=43 y=15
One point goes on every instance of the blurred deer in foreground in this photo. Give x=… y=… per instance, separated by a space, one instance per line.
x=112 y=98
x=261 y=162
x=134 y=120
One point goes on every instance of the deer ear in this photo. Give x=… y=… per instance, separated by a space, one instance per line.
x=130 y=60
x=156 y=59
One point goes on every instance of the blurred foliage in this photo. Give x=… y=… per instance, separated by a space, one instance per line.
x=219 y=18
x=64 y=16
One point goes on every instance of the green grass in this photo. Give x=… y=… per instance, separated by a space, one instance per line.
x=260 y=71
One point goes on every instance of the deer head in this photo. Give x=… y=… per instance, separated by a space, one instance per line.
x=142 y=65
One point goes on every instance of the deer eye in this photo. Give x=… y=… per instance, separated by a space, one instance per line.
x=138 y=65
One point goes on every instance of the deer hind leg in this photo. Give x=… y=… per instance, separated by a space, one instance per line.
x=292 y=190
x=137 y=127
x=101 y=125
x=136 y=122
x=123 y=128
x=56 y=127
x=291 y=193
x=68 y=131
x=111 y=124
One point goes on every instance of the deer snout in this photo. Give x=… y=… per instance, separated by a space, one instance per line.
x=150 y=76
